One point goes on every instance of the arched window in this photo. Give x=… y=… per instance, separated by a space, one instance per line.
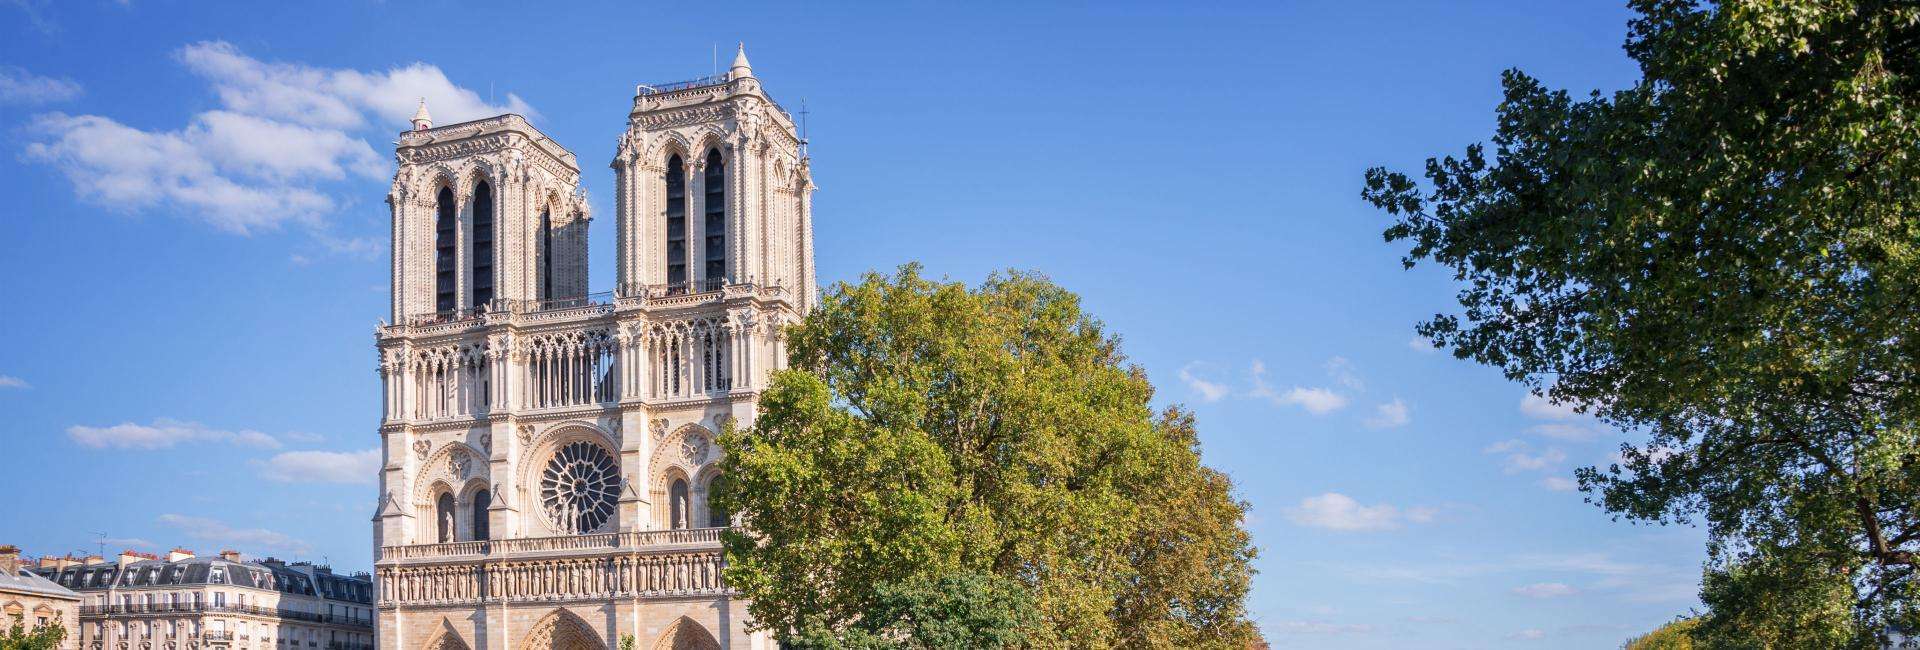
x=443 y=251
x=677 y=496
x=716 y=517
x=443 y=517
x=481 y=501
x=546 y=255
x=482 y=244
x=676 y=223
x=716 y=213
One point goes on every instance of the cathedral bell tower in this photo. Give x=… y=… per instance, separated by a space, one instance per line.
x=548 y=451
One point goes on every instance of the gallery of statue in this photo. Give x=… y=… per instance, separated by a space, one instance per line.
x=548 y=452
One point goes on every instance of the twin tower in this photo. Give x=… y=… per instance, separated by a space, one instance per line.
x=546 y=451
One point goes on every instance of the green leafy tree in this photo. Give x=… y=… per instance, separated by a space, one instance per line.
x=931 y=445
x=1720 y=260
x=1677 y=635
x=44 y=637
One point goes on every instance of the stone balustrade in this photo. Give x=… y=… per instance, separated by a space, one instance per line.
x=643 y=540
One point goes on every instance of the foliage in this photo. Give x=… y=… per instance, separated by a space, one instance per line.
x=1677 y=635
x=931 y=444
x=958 y=612
x=44 y=637
x=1724 y=258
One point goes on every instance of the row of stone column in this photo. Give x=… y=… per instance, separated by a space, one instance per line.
x=625 y=575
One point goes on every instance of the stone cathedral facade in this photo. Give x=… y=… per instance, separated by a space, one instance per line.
x=548 y=452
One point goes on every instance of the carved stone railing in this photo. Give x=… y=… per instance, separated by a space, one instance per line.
x=682 y=571
x=634 y=540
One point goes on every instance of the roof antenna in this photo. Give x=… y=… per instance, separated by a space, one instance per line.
x=102 y=541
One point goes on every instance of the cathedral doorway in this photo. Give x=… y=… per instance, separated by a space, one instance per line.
x=562 y=630
x=685 y=634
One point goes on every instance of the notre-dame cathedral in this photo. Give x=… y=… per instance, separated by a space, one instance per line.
x=548 y=451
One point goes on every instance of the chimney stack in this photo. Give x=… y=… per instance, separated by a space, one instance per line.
x=9 y=559
x=178 y=554
x=230 y=555
x=95 y=559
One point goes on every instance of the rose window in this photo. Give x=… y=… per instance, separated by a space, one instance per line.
x=579 y=486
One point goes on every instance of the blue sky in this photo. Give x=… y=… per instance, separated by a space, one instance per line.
x=194 y=246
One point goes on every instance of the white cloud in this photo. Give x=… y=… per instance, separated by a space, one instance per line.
x=10 y=381
x=18 y=86
x=211 y=530
x=1209 y=391
x=164 y=433
x=1535 y=406
x=126 y=542
x=1528 y=634
x=1524 y=462
x=1342 y=372
x=1565 y=431
x=284 y=135
x=1390 y=414
x=1559 y=484
x=1520 y=459
x=1318 y=401
x=1544 y=590
x=1318 y=628
x=1335 y=511
x=322 y=467
x=1422 y=344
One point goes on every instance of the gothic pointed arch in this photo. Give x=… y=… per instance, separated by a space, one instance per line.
x=688 y=449
x=562 y=630
x=686 y=634
x=445 y=638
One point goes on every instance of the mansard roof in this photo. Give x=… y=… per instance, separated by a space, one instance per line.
x=298 y=578
x=25 y=581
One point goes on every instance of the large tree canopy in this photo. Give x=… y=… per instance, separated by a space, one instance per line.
x=1721 y=260
x=945 y=467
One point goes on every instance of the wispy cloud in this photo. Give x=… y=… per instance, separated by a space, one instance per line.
x=10 y=381
x=213 y=530
x=1209 y=391
x=353 y=467
x=18 y=86
x=1422 y=344
x=1544 y=590
x=1559 y=484
x=1342 y=372
x=1316 y=400
x=1390 y=414
x=164 y=433
x=284 y=137
x=1528 y=634
x=1336 y=511
x=1518 y=456
x=1319 y=628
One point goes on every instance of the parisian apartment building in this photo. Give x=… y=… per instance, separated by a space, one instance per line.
x=33 y=601
x=185 y=601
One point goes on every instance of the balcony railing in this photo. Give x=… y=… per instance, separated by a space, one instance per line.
x=635 y=540
x=208 y=608
x=504 y=305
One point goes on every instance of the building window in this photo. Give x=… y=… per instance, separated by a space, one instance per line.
x=481 y=501
x=443 y=251
x=677 y=495
x=716 y=219
x=443 y=515
x=716 y=517
x=546 y=255
x=482 y=244
x=676 y=223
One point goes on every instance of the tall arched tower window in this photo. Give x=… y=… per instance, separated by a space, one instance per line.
x=481 y=501
x=676 y=222
x=716 y=213
x=716 y=518
x=482 y=244
x=443 y=516
x=677 y=498
x=443 y=251
x=546 y=255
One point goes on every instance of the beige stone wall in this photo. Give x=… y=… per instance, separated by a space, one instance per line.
x=502 y=626
x=37 y=609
